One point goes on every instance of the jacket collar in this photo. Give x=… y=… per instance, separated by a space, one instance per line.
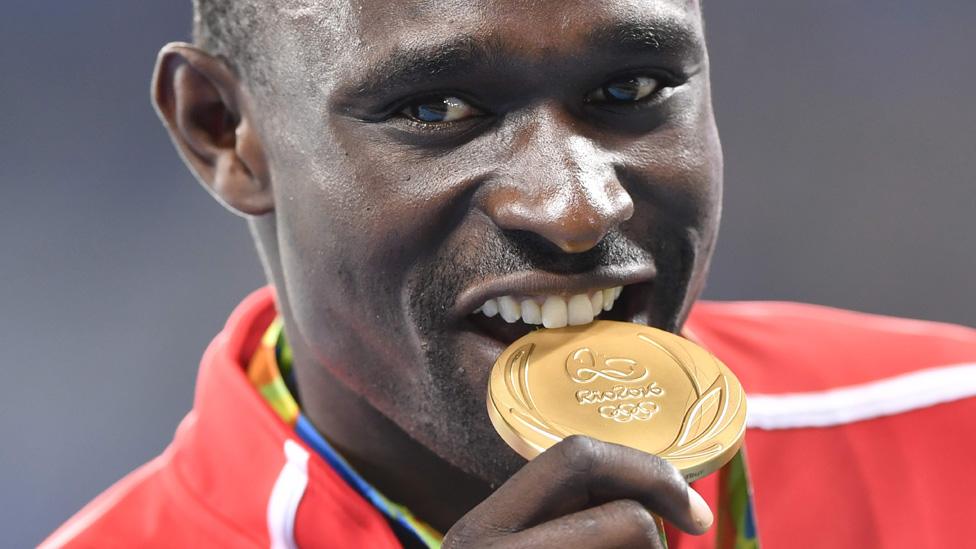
x=232 y=452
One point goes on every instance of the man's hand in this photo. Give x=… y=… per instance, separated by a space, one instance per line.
x=583 y=494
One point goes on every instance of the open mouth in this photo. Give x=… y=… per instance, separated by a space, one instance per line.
x=507 y=318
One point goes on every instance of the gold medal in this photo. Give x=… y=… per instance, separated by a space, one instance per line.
x=623 y=383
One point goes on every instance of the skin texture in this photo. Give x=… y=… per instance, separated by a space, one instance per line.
x=381 y=234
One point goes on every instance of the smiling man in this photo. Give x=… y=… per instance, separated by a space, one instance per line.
x=428 y=180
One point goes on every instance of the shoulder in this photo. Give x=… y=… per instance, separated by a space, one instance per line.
x=147 y=508
x=869 y=407
x=813 y=366
x=787 y=347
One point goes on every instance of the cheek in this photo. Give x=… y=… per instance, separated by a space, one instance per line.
x=675 y=176
x=344 y=294
x=675 y=182
x=353 y=227
x=332 y=242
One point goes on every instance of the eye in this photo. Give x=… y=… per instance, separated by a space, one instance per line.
x=437 y=110
x=624 y=90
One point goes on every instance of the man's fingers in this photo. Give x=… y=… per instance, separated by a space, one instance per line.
x=581 y=472
x=620 y=523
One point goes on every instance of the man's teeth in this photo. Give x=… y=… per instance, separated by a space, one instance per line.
x=531 y=312
x=490 y=308
x=510 y=309
x=552 y=311
x=555 y=312
x=580 y=310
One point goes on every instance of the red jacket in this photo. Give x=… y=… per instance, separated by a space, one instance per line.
x=862 y=434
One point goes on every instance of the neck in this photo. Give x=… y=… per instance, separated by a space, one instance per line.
x=387 y=457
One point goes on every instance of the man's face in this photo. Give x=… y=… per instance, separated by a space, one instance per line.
x=428 y=156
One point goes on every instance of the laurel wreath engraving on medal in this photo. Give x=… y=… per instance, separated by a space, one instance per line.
x=708 y=415
x=516 y=380
x=582 y=367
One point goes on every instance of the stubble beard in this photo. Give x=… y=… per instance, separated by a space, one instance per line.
x=452 y=420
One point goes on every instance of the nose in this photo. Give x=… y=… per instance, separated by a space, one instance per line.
x=559 y=185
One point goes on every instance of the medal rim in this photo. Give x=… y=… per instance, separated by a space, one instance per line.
x=689 y=468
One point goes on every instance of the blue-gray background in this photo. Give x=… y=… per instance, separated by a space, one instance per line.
x=849 y=136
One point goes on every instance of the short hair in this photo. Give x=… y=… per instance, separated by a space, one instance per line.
x=230 y=29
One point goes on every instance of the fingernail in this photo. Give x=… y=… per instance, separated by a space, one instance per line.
x=700 y=512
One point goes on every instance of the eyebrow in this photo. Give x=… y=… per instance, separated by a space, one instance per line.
x=415 y=65
x=665 y=36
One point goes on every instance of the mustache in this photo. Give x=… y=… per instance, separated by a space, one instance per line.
x=518 y=251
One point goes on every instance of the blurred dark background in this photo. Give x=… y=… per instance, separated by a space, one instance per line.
x=849 y=137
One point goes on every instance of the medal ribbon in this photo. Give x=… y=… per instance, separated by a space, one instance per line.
x=267 y=371
x=736 y=519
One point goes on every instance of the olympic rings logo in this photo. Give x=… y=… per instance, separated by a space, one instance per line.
x=625 y=413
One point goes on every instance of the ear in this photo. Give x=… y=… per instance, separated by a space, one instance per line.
x=207 y=113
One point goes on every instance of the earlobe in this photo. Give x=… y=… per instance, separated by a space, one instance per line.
x=207 y=113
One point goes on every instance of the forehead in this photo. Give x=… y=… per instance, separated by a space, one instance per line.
x=356 y=32
x=532 y=23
